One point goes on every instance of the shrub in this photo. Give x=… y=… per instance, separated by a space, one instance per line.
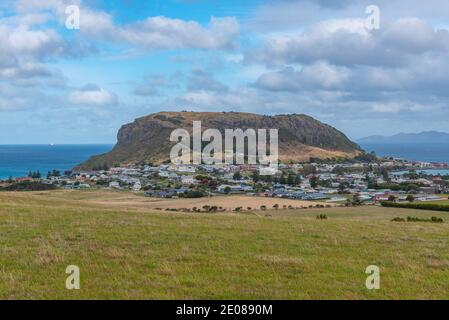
x=416 y=219
x=322 y=217
x=29 y=186
x=391 y=198
x=419 y=206
x=193 y=194
x=433 y=219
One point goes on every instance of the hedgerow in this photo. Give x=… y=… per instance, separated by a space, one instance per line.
x=419 y=206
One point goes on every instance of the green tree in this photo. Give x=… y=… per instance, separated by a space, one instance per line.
x=338 y=171
x=292 y=179
x=385 y=175
x=391 y=198
x=356 y=201
x=309 y=169
x=283 y=179
x=237 y=176
x=314 y=181
x=255 y=176
x=56 y=173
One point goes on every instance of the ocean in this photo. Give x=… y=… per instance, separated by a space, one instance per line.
x=18 y=160
x=432 y=152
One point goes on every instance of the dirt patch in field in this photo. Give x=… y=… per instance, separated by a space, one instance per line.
x=228 y=203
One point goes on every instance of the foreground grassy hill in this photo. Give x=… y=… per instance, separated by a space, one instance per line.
x=137 y=253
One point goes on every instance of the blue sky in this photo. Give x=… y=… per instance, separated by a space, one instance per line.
x=131 y=58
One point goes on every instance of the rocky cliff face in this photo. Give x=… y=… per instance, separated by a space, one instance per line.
x=300 y=137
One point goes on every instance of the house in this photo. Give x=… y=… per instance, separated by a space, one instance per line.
x=268 y=171
x=24 y=179
x=137 y=186
x=336 y=199
x=316 y=196
x=188 y=180
x=428 y=190
x=381 y=197
x=235 y=188
x=299 y=195
x=429 y=198
x=164 y=174
x=186 y=169
x=181 y=190
x=114 y=185
x=161 y=193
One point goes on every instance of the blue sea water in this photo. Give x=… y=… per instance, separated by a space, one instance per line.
x=18 y=160
x=430 y=172
x=431 y=152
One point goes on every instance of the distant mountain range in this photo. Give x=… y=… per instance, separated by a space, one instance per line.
x=407 y=138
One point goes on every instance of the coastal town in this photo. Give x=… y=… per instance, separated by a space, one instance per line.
x=368 y=180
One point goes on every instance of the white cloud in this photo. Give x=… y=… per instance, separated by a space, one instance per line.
x=319 y=75
x=152 y=33
x=92 y=95
x=396 y=107
x=157 y=33
x=22 y=41
x=348 y=42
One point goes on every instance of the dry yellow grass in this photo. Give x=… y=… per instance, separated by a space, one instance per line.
x=226 y=202
x=136 y=201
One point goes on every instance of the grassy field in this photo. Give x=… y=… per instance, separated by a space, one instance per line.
x=130 y=252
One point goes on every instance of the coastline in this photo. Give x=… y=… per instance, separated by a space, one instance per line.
x=18 y=160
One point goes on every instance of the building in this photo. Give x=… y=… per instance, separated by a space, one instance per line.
x=188 y=180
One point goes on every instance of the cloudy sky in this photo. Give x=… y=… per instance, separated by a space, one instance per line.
x=131 y=58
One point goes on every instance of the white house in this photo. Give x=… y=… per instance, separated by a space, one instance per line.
x=188 y=180
x=137 y=186
x=186 y=169
x=114 y=185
